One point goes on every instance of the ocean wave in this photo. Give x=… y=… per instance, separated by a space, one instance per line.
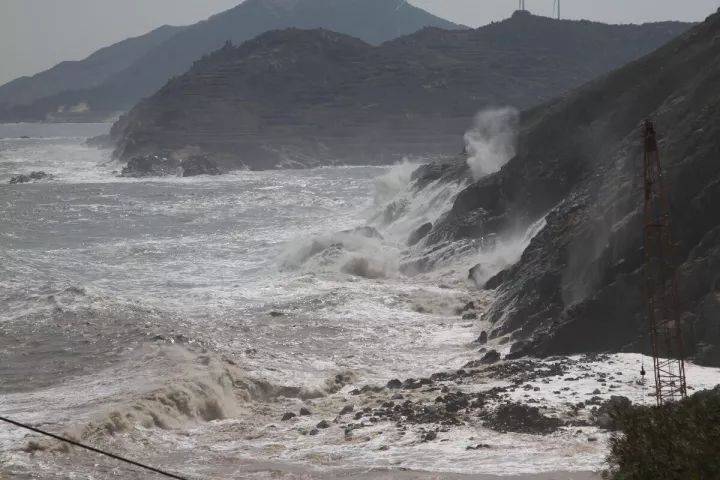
x=199 y=387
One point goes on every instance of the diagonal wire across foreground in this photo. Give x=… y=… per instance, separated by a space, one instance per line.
x=92 y=449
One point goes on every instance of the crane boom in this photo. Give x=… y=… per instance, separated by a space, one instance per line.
x=660 y=279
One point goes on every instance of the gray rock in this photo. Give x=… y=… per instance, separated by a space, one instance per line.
x=515 y=417
x=419 y=234
x=491 y=356
x=394 y=384
x=578 y=286
x=609 y=414
x=195 y=165
x=31 y=177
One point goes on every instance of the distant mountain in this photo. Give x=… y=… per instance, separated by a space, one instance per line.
x=90 y=72
x=579 y=286
x=373 y=21
x=305 y=98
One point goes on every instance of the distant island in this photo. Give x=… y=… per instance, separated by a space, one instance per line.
x=113 y=79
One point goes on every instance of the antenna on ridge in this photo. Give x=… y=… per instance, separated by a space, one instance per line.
x=556 y=8
x=521 y=5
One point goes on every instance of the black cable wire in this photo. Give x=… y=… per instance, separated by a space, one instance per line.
x=92 y=449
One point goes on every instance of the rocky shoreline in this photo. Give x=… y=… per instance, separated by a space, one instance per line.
x=441 y=401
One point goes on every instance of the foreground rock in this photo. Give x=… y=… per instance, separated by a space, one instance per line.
x=303 y=98
x=515 y=417
x=31 y=177
x=609 y=415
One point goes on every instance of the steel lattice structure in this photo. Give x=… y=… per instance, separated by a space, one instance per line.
x=660 y=278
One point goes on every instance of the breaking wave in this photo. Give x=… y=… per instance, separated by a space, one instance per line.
x=204 y=387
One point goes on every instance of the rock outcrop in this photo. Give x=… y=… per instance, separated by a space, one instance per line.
x=578 y=286
x=299 y=98
x=153 y=166
x=31 y=177
x=74 y=75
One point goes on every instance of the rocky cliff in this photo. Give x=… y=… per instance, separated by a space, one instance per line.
x=305 y=98
x=578 y=287
x=374 y=21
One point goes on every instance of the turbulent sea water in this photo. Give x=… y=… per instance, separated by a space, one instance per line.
x=176 y=320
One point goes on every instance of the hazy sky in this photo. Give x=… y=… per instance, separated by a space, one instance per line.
x=37 y=34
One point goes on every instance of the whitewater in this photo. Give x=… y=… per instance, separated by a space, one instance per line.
x=177 y=320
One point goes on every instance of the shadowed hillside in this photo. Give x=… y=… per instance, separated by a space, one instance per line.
x=305 y=98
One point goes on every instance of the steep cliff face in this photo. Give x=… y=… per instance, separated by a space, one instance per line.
x=374 y=21
x=305 y=98
x=578 y=286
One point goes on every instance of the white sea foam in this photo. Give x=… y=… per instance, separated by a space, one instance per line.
x=265 y=269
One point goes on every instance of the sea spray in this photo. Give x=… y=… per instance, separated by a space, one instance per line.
x=393 y=182
x=496 y=255
x=490 y=143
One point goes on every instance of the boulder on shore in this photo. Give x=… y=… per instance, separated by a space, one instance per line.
x=420 y=233
x=197 y=165
x=31 y=177
x=148 y=166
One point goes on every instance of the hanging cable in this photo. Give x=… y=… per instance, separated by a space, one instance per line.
x=92 y=449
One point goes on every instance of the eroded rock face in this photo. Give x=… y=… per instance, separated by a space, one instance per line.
x=578 y=286
x=609 y=415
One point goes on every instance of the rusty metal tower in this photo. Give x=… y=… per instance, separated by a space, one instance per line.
x=660 y=279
